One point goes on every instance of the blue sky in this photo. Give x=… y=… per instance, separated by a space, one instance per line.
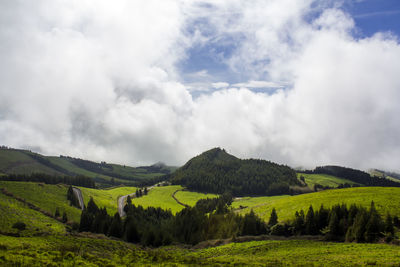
x=370 y=17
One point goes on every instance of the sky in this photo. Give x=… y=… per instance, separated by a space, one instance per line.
x=303 y=83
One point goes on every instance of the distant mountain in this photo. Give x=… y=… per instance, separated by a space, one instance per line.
x=18 y=161
x=216 y=171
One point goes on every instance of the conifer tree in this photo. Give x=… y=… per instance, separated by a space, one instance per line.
x=116 y=226
x=273 y=219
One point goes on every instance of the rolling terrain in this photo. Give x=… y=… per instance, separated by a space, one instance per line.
x=386 y=200
x=17 y=161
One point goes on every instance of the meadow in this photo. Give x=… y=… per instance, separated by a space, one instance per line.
x=83 y=251
x=160 y=196
x=190 y=198
x=13 y=211
x=323 y=179
x=106 y=197
x=47 y=197
x=386 y=200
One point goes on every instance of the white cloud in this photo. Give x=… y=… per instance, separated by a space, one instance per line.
x=258 y=84
x=100 y=81
x=220 y=85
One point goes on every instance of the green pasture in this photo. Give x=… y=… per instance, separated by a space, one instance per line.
x=106 y=197
x=190 y=198
x=386 y=200
x=45 y=196
x=323 y=179
x=160 y=196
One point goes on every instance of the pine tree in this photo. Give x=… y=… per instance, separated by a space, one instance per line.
x=116 y=226
x=273 y=219
x=359 y=225
x=298 y=225
x=374 y=225
x=310 y=224
x=92 y=207
x=389 y=224
x=334 y=229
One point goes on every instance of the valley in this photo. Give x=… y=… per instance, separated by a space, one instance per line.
x=40 y=225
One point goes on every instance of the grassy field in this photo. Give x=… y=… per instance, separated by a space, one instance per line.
x=106 y=197
x=386 y=199
x=323 y=179
x=160 y=197
x=13 y=211
x=47 y=197
x=80 y=251
x=190 y=198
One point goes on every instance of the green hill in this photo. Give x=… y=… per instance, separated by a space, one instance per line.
x=216 y=171
x=386 y=200
x=16 y=161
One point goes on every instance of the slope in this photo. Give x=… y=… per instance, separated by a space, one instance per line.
x=46 y=197
x=216 y=171
x=386 y=200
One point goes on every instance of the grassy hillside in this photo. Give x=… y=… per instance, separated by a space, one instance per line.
x=190 y=198
x=13 y=211
x=106 y=197
x=386 y=200
x=160 y=197
x=324 y=180
x=47 y=197
x=80 y=251
x=13 y=161
x=18 y=162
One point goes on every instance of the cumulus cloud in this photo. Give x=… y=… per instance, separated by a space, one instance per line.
x=102 y=81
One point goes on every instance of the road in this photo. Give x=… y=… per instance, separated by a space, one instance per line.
x=78 y=194
x=122 y=200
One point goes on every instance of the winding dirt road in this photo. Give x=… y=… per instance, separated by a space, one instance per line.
x=78 y=194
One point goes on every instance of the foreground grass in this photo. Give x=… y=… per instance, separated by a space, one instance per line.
x=386 y=200
x=323 y=179
x=45 y=196
x=106 y=197
x=80 y=251
x=190 y=198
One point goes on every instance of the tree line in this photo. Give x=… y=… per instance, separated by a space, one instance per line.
x=341 y=223
x=353 y=175
x=78 y=180
x=208 y=219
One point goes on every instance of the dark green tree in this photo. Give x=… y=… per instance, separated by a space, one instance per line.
x=273 y=219
x=116 y=226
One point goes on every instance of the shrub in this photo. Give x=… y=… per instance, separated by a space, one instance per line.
x=19 y=225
